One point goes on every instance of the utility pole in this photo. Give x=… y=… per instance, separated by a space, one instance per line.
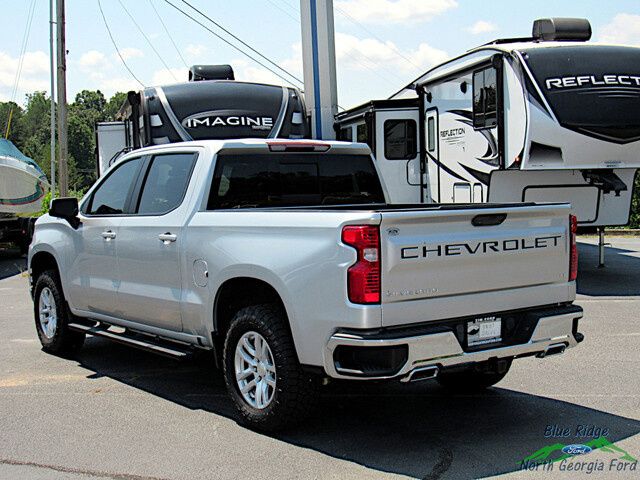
x=62 y=100
x=319 y=64
x=52 y=66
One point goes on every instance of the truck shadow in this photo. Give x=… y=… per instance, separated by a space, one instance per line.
x=11 y=262
x=415 y=430
x=618 y=278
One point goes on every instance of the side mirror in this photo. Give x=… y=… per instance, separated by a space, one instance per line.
x=67 y=209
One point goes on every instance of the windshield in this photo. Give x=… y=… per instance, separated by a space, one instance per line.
x=590 y=88
x=292 y=179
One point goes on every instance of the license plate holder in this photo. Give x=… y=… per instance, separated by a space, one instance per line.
x=484 y=330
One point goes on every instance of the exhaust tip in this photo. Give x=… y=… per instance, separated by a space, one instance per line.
x=423 y=373
x=556 y=349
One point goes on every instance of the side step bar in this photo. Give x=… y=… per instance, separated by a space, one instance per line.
x=138 y=341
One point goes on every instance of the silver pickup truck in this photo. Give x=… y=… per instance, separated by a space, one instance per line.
x=284 y=258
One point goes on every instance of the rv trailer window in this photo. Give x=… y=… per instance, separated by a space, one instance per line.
x=431 y=134
x=345 y=134
x=485 y=104
x=400 y=139
x=362 y=133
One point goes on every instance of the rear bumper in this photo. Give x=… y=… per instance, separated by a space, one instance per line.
x=438 y=345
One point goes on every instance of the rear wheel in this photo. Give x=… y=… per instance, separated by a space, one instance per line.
x=262 y=373
x=475 y=378
x=52 y=316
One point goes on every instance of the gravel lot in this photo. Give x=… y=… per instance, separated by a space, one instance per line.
x=119 y=413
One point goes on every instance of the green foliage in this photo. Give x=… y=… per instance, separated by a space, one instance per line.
x=15 y=132
x=113 y=105
x=46 y=200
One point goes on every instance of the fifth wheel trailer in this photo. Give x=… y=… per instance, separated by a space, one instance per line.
x=545 y=118
x=211 y=105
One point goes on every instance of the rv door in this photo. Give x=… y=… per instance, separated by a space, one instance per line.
x=397 y=154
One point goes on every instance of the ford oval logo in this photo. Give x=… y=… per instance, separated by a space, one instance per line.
x=576 y=449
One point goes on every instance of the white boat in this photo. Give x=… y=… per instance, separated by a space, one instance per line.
x=22 y=182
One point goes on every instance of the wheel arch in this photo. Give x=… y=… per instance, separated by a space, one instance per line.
x=239 y=292
x=42 y=261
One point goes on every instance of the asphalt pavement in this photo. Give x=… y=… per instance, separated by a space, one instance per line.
x=118 y=413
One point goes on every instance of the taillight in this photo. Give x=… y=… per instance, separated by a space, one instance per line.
x=573 y=262
x=363 y=277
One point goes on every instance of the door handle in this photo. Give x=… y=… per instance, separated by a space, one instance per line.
x=109 y=235
x=167 y=238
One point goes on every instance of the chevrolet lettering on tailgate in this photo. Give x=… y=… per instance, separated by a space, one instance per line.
x=450 y=249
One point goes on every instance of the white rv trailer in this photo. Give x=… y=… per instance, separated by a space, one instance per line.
x=546 y=118
x=390 y=127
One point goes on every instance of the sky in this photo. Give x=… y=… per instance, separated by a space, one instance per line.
x=381 y=45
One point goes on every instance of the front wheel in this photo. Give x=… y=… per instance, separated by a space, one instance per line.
x=52 y=316
x=262 y=372
x=475 y=378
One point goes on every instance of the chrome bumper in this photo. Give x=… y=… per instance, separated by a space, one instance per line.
x=443 y=350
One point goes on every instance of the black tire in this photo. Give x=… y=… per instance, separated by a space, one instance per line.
x=475 y=378
x=63 y=341
x=295 y=393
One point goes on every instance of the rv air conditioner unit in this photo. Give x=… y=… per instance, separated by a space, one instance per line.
x=210 y=72
x=558 y=29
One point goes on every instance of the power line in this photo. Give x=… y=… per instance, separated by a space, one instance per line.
x=116 y=46
x=168 y=34
x=23 y=51
x=359 y=24
x=295 y=18
x=148 y=41
x=242 y=42
x=220 y=37
x=372 y=66
x=393 y=47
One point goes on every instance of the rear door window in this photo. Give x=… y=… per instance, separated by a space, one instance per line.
x=271 y=180
x=166 y=183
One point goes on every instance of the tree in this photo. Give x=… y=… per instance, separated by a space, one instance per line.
x=34 y=125
x=89 y=104
x=87 y=109
x=15 y=132
x=113 y=106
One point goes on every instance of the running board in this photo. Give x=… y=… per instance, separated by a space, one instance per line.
x=159 y=347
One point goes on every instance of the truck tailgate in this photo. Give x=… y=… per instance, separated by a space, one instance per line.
x=459 y=254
